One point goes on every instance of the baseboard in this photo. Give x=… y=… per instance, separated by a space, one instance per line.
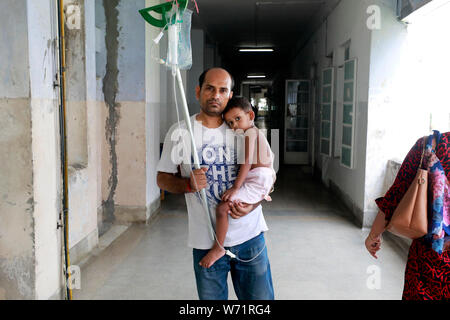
x=79 y=251
x=130 y=214
x=153 y=209
x=58 y=295
x=102 y=225
x=357 y=213
x=136 y=214
x=133 y=214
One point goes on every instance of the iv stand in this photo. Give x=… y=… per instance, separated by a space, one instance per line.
x=193 y=147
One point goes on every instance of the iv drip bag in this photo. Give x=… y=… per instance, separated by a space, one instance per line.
x=179 y=51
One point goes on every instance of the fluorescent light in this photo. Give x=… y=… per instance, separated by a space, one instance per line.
x=256 y=50
x=253 y=76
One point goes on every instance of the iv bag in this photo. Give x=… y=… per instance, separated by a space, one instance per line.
x=184 y=42
x=179 y=45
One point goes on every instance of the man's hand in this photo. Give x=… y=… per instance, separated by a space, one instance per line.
x=240 y=209
x=198 y=179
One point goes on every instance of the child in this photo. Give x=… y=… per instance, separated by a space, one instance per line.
x=256 y=175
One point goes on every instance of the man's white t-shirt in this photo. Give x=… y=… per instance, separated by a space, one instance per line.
x=216 y=149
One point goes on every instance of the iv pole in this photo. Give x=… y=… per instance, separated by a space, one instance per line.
x=193 y=147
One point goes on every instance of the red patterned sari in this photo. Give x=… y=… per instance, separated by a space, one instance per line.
x=427 y=274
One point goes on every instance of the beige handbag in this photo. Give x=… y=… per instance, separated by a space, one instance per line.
x=410 y=219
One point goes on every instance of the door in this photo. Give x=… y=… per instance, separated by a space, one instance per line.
x=297 y=120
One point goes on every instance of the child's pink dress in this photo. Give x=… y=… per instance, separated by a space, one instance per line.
x=257 y=186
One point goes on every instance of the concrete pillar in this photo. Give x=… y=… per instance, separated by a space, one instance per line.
x=30 y=243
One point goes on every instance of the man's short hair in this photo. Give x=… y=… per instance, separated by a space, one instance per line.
x=201 y=79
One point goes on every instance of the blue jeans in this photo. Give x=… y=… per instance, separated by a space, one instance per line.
x=251 y=280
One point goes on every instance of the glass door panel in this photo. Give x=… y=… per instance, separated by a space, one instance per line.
x=297 y=122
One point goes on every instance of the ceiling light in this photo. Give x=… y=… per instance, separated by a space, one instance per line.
x=256 y=50
x=255 y=76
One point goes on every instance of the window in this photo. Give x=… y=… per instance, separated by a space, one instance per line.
x=347 y=51
x=348 y=115
x=297 y=121
x=326 y=111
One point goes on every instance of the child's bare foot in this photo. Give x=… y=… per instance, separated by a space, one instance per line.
x=212 y=256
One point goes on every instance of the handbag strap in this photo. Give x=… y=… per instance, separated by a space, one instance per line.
x=423 y=151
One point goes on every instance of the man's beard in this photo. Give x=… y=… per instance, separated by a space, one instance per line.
x=212 y=110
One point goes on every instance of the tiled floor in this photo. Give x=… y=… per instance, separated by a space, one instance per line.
x=315 y=251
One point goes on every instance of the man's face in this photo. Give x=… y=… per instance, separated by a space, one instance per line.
x=215 y=92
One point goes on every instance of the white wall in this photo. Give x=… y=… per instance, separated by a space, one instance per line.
x=387 y=137
x=408 y=89
x=346 y=22
x=427 y=82
x=154 y=104
x=401 y=79
x=164 y=92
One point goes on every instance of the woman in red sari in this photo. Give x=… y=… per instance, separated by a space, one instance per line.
x=427 y=274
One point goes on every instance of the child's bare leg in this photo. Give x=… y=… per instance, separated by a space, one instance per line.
x=216 y=251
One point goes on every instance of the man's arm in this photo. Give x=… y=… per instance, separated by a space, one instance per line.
x=174 y=184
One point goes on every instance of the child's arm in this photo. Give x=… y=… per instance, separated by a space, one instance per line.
x=244 y=168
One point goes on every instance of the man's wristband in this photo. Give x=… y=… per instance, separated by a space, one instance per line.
x=188 y=185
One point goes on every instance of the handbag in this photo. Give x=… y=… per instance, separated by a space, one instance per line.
x=410 y=218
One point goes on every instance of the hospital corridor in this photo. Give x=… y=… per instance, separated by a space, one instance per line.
x=316 y=252
x=91 y=89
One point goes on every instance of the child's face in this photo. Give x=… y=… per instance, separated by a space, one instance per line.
x=236 y=118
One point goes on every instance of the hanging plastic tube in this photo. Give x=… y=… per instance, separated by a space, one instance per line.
x=172 y=52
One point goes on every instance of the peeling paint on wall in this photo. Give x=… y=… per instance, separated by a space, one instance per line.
x=18 y=277
x=110 y=89
x=17 y=225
